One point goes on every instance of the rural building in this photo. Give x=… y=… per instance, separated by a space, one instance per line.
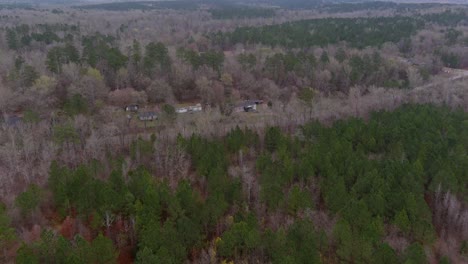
x=132 y=108
x=189 y=109
x=195 y=108
x=247 y=106
x=147 y=116
x=181 y=110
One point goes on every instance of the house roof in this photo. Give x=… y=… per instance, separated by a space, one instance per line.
x=247 y=103
x=187 y=104
x=13 y=120
x=132 y=108
x=147 y=114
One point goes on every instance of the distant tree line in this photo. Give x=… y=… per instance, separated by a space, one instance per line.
x=141 y=5
x=356 y=32
x=375 y=5
x=233 y=12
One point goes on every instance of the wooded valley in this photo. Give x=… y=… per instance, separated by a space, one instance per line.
x=271 y=131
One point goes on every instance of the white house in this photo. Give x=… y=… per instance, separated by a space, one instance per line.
x=189 y=109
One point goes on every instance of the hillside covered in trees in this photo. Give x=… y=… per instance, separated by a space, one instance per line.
x=378 y=191
x=265 y=131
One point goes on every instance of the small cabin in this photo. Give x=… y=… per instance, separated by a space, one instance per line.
x=147 y=116
x=189 y=109
x=181 y=110
x=132 y=108
x=248 y=106
x=195 y=108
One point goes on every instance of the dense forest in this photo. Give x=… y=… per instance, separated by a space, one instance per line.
x=231 y=12
x=357 y=32
x=141 y=5
x=266 y=131
x=145 y=67
x=266 y=198
x=380 y=5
